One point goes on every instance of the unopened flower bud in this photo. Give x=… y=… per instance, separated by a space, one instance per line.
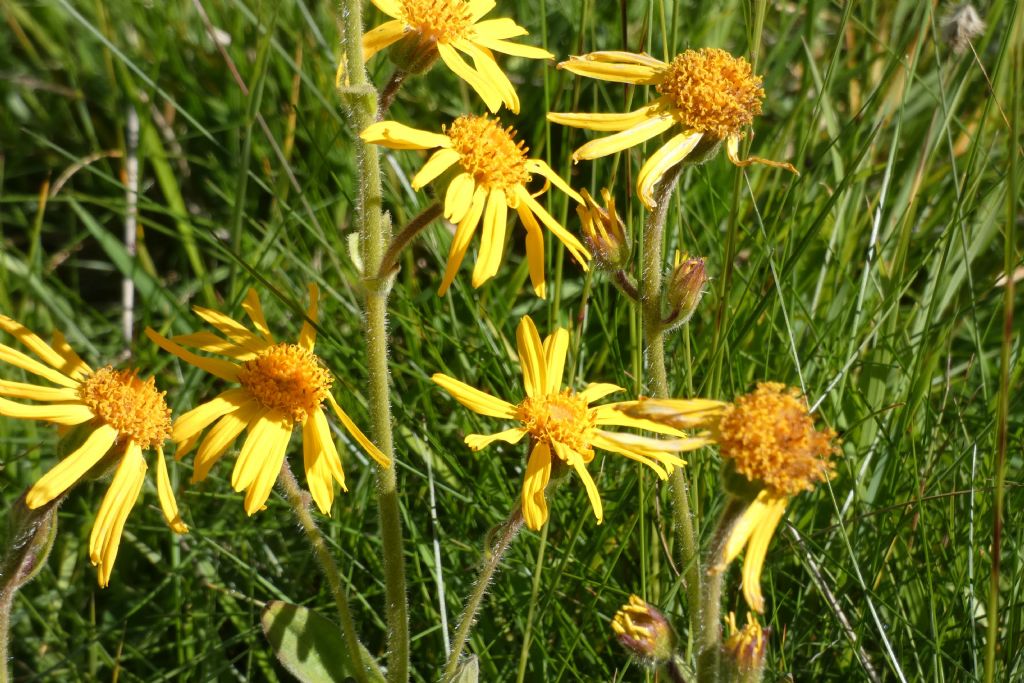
x=644 y=631
x=604 y=232
x=961 y=26
x=685 y=288
x=745 y=648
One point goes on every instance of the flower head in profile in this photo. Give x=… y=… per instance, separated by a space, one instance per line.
x=706 y=95
x=449 y=29
x=745 y=648
x=604 y=232
x=644 y=631
x=116 y=416
x=563 y=427
x=492 y=173
x=282 y=386
x=772 y=451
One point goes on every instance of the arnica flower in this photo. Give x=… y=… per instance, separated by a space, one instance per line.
x=644 y=631
x=493 y=171
x=773 y=452
x=451 y=27
x=745 y=648
x=282 y=385
x=708 y=94
x=116 y=414
x=604 y=232
x=563 y=427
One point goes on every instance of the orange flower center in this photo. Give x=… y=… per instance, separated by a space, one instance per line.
x=288 y=378
x=769 y=437
x=713 y=92
x=440 y=20
x=489 y=152
x=562 y=417
x=131 y=406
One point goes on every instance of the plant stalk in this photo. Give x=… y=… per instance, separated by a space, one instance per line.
x=508 y=531
x=708 y=666
x=6 y=602
x=421 y=220
x=300 y=506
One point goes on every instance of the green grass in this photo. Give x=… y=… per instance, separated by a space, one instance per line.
x=870 y=282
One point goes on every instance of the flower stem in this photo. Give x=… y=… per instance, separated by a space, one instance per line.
x=406 y=235
x=387 y=95
x=505 y=535
x=6 y=601
x=654 y=336
x=300 y=506
x=361 y=99
x=711 y=614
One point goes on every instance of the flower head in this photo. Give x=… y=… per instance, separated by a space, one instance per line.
x=282 y=386
x=745 y=648
x=117 y=416
x=563 y=427
x=708 y=94
x=493 y=170
x=447 y=28
x=773 y=452
x=604 y=232
x=644 y=631
x=685 y=287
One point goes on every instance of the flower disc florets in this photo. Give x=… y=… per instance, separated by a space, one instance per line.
x=128 y=404
x=489 y=152
x=440 y=20
x=288 y=378
x=563 y=417
x=714 y=92
x=769 y=437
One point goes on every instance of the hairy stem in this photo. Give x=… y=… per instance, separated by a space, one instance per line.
x=361 y=99
x=711 y=614
x=300 y=506
x=6 y=601
x=421 y=220
x=508 y=531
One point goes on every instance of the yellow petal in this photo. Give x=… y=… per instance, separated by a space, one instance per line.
x=326 y=439
x=168 y=505
x=667 y=156
x=732 y=146
x=272 y=458
x=574 y=246
x=497 y=29
x=483 y=61
x=510 y=48
x=263 y=430
x=232 y=329
x=491 y=97
x=37 y=393
x=202 y=416
x=33 y=342
x=398 y=136
x=382 y=36
x=531 y=358
x=117 y=503
x=534 y=249
x=575 y=461
x=608 y=122
x=757 y=548
x=28 y=364
x=598 y=390
x=621 y=57
x=474 y=399
x=538 y=472
x=71 y=469
x=254 y=309
x=74 y=367
x=659 y=449
x=463 y=235
x=57 y=413
x=609 y=414
x=218 y=368
x=739 y=535
x=603 y=441
x=556 y=347
x=630 y=137
x=478 y=442
x=492 y=241
x=617 y=67
x=382 y=459
x=538 y=166
x=478 y=8
x=437 y=164
x=212 y=343
x=221 y=436
x=392 y=8
x=318 y=474
x=459 y=198
x=307 y=337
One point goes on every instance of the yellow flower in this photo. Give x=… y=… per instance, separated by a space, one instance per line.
x=773 y=453
x=492 y=178
x=119 y=416
x=451 y=27
x=563 y=427
x=282 y=385
x=604 y=232
x=644 y=631
x=709 y=94
x=746 y=647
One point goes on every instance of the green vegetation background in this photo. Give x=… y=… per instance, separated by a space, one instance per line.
x=872 y=281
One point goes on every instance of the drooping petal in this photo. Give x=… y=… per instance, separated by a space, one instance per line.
x=602 y=441
x=661 y=450
x=318 y=473
x=641 y=132
x=117 y=503
x=534 y=249
x=556 y=347
x=575 y=461
x=254 y=309
x=37 y=393
x=757 y=548
x=269 y=462
x=323 y=432
x=221 y=436
x=483 y=61
x=531 y=358
x=732 y=148
x=491 y=97
x=608 y=122
x=57 y=413
x=381 y=37
x=538 y=473
x=608 y=414
x=437 y=164
x=357 y=434
x=667 y=156
x=474 y=399
x=574 y=246
x=202 y=416
x=29 y=364
x=458 y=200
x=71 y=469
x=538 y=166
x=307 y=337
x=463 y=235
x=168 y=505
x=395 y=135
x=223 y=369
x=264 y=432
x=739 y=535
x=478 y=442
x=492 y=240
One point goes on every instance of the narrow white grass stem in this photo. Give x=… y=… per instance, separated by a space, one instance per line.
x=131 y=220
x=438 y=567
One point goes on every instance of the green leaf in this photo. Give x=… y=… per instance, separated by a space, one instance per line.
x=311 y=647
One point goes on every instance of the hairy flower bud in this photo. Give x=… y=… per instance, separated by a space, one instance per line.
x=685 y=288
x=745 y=648
x=644 y=631
x=603 y=232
